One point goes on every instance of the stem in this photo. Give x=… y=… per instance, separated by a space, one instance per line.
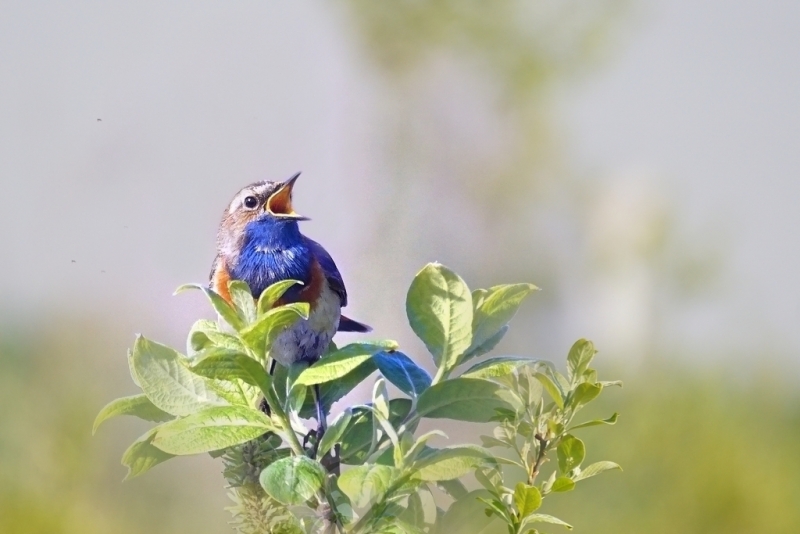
x=275 y=405
x=441 y=374
x=328 y=508
x=539 y=458
x=325 y=503
x=294 y=443
x=411 y=419
x=324 y=499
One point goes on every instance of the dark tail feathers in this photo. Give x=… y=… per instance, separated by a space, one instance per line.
x=348 y=325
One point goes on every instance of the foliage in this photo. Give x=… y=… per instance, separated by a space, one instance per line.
x=220 y=399
x=536 y=428
x=680 y=435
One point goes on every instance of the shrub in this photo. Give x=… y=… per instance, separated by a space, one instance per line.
x=370 y=471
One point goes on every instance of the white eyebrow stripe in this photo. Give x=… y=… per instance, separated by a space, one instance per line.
x=257 y=191
x=239 y=198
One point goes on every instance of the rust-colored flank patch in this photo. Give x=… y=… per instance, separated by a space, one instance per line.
x=219 y=282
x=311 y=291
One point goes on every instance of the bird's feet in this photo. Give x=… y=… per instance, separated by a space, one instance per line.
x=264 y=407
x=312 y=439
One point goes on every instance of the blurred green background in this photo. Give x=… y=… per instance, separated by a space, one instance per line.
x=637 y=160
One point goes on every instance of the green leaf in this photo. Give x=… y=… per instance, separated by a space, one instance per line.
x=552 y=389
x=439 y=309
x=561 y=380
x=466 y=515
x=330 y=392
x=491 y=479
x=486 y=346
x=358 y=436
x=454 y=488
x=420 y=444
x=506 y=433
x=167 y=382
x=225 y=310
x=528 y=499
x=579 y=358
x=497 y=507
x=463 y=399
x=489 y=441
x=493 y=310
x=236 y=392
x=563 y=484
x=380 y=398
x=555 y=427
x=395 y=452
x=589 y=375
x=571 y=452
x=273 y=293
x=585 y=393
x=198 y=337
x=596 y=469
x=297 y=398
x=610 y=421
x=334 y=433
x=449 y=463
x=529 y=386
x=243 y=301
x=367 y=483
x=500 y=366
x=224 y=364
x=294 y=371
x=142 y=455
x=260 y=335
x=339 y=363
x=544 y=518
x=136 y=405
x=293 y=480
x=401 y=371
x=211 y=429
x=478 y=296
x=206 y=334
x=414 y=513
x=548 y=484
x=132 y=369
x=392 y=524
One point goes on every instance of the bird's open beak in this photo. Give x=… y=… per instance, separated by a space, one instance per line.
x=280 y=203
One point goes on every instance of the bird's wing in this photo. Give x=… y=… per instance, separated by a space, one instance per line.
x=332 y=274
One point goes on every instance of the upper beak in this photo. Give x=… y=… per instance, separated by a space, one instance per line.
x=280 y=203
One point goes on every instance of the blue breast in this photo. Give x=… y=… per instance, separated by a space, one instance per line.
x=272 y=250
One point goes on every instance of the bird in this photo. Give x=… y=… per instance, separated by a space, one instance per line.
x=259 y=242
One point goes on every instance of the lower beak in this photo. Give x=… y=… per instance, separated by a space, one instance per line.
x=280 y=203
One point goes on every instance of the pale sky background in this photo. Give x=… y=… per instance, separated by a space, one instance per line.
x=703 y=97
x=125 y=129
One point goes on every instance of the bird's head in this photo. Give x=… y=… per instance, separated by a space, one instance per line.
x=262 y=204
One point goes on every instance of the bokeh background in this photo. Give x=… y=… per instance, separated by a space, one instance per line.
x=638 y=160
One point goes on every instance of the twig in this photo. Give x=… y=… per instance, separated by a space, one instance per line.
x=539 y=458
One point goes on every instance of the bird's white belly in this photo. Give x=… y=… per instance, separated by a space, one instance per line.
x=307 y=339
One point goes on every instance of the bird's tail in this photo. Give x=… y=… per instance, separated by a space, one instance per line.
x=349 y=325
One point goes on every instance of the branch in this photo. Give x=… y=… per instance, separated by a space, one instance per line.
x=539 y=458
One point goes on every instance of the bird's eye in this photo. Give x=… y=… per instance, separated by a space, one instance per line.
x=250 y=202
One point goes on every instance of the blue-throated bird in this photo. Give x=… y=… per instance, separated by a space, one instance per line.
x=259 y=242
